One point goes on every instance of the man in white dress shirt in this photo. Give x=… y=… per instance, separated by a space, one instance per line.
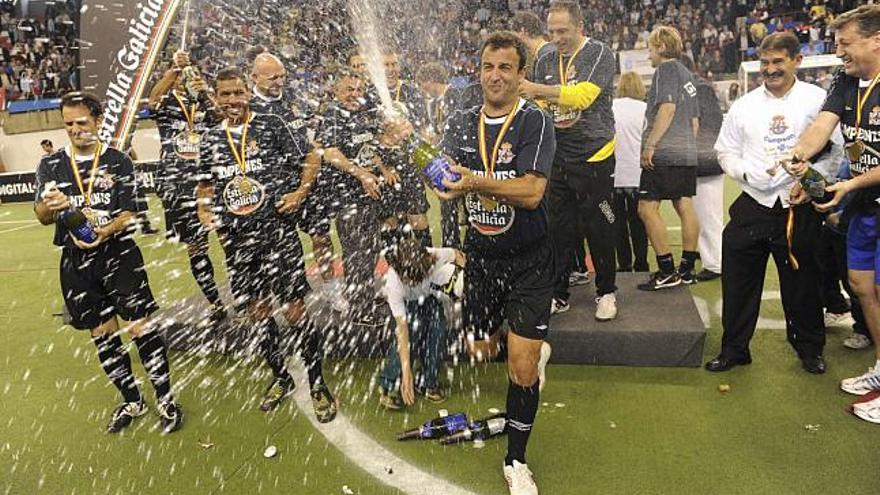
x=769 y=217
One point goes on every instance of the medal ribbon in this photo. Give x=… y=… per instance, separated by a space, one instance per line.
x=239 y=155
x=397 y=96
x=861 y=104
x=189 y=116
x=489 y=165
x=564 y=72
x=87 y=195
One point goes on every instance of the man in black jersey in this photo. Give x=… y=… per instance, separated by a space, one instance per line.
x=361 y=187
x=104 y=281
x=853 y=102
x=182 y=118
x=268 y=77
x=440 y=101
x=575 y=81
x=504 y=153
x=529 y=28
x=254 y=171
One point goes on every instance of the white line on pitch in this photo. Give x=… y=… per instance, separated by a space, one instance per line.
x=17 y=221
x=367 y=454
x=19 y=228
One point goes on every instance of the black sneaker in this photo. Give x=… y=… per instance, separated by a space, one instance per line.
x=324 y=403
x=660 y=280
x=124 y=415
x=276 y=393
x=707 y=275
x=689 y=277
x=171 y=416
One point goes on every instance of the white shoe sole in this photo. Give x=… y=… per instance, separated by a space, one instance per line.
x=869 y=415
x=855 y=391
x=546 y=351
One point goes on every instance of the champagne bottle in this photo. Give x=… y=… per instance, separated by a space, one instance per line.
x=78 y=225
x=480 y=429
x=437 y=428
x=431 y=162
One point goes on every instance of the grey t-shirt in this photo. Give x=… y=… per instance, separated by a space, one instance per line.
x=673 y=83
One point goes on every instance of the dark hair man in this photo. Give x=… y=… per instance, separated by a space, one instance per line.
x=255 y=171
x=105 y=281
x=854 y=103
x=441 y=101
x=766 y=220
x=669 y=159
x=530 y=29
x=504 y=151
x=182 y=118
x=48 y=147
x=575 y=80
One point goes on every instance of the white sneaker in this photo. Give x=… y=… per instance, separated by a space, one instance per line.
x=839 y=319
x=857 y=341
x=578 y=278
x=606 y=307
x=559 y=306
x=863 y=384
x=519 y=479
x=869 y=411
x=546 y=350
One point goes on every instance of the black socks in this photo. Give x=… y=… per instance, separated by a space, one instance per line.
x=666 y=263
x=117 y=365
x=154 y=356
x=522 y=405
x=688 y=260
x=271 y=348
x=203 y=271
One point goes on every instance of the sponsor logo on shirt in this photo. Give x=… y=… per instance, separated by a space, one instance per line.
x=874 y=116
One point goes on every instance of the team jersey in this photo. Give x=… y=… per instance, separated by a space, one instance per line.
x=530 y=64
x=292 y=110
x=673 y=83
x=842 y=100
x=527 y=147
x=114 y=190
x=356 y=135
x=580 y=134
x=178 y=169
x=273 y=156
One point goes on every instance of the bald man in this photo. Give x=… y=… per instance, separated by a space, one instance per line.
x=269 y=79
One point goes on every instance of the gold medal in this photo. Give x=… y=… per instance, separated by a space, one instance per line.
x=186 y=142
x=91 y=216
x=854 y=151
x=488 y=203
x=245 y=185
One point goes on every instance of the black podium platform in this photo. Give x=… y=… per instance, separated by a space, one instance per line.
x=660 y=328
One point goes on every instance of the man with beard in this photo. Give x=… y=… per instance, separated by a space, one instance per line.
x=504 y=152
x=182 y=118
x=575 y=80
x=254 y=172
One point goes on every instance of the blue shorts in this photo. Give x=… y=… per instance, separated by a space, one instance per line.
x=862 y=249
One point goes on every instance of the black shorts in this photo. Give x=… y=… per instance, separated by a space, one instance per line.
x=99 y=284
x=182 y=221
x=665 y=182
x=518 y=289
x=266 y=263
